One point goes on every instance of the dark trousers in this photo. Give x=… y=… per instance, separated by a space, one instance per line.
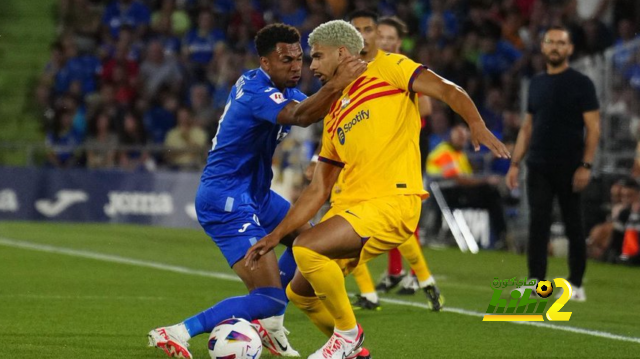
x=543 y=185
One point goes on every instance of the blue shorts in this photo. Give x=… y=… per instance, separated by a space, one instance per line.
x=235 y=231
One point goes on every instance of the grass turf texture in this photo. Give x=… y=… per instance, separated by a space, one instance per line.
x=58 y=306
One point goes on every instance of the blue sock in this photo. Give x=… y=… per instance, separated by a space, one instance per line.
x=287 y=265
x=260 y=303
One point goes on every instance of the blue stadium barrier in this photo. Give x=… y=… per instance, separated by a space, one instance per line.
x=79 y=195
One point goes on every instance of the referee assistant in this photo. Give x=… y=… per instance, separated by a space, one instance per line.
x=561 y=131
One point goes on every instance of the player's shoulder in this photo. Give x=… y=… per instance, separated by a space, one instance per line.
x=582 y=78
x=393 y=58
x=248 y=84
x=384 y=60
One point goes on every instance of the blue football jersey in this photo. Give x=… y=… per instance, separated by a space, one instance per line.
x=238 y=169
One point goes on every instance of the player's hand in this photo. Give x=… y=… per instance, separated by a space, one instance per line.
x=480 y=134
x=512 y=177
x=349 y=69
x=262 y=247
x=581 y=179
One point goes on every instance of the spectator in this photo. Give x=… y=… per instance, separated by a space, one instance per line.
x=436 y=34
x=126 y=12
x=449 y=161
x=438 y=11
x=247 y=16
x=160 y=118
x=81 y=17
x=199 y=44
x=102 y=142
x=600 y=235
x=203 y=112
x=121 y=59
x=77 y=68
x=291 y=13
x=510 y=125
x=55 y=64
x=134 y=156
x=624 y=239
x=71 y=105
x=133 y=46
x=103 y=101
x=163 y=32
x=439 y=129
x=185 y=143
x=62 y=140
x=492 y=110
x=497 y=56
x=158 y=70
x=511 y=30
x=125 y=92
x=623 y=54
x=178 y=19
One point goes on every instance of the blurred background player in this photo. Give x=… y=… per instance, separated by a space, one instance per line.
x=380 y=204
x=234 y=202
x=366 y=22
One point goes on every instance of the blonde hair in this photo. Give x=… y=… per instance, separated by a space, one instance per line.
x=338 y=33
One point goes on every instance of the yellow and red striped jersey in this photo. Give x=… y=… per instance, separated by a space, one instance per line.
x=373 y=132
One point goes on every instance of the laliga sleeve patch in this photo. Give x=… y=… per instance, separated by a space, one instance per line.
x=277 y=97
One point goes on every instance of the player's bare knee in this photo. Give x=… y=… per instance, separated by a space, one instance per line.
x=305 y=239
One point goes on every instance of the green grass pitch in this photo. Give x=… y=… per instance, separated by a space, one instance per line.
x=101 y=301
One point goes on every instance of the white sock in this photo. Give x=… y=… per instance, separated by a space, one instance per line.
x=273 y=324
x=429 y=281
x=351 y=334
x=181 y=331
x=372 y=297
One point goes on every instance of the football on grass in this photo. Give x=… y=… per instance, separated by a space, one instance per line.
x=235 y=339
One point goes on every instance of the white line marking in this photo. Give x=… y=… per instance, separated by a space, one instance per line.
x=595 y=333
x=80 y=297
x=184 y=270
x=114 y=259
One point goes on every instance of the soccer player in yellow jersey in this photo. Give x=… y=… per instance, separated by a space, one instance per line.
x=372 y=131
x=386 y=34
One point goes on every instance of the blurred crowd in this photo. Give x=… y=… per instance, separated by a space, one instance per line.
x=141 y=84
x=124 y=74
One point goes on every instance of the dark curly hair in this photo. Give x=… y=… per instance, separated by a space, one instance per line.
x=369 y=14
x=395 y=22
x=270 y=35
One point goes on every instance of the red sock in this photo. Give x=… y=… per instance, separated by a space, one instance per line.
x=395 y=262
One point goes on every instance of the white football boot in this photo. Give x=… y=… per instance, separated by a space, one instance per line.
x=275 y=341
x=578 y=294
x=170 y=341
x=339 y=347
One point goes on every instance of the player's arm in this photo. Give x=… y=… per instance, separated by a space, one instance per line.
x=309 y=203
x=432 y=85
x=314 y=108
x=592 y=125
x=520 y=149
x=424 y=105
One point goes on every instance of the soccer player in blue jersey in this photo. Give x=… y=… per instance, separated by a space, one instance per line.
x=235 y=204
